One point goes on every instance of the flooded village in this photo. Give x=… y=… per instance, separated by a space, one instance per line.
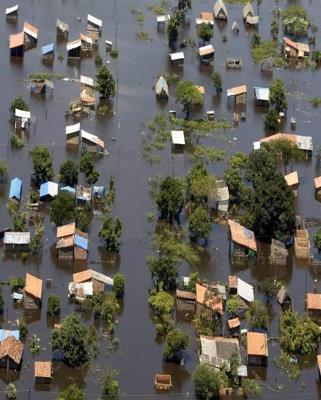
x=160 y=191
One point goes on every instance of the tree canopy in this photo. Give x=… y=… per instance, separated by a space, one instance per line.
x=208 y=382
x=105 y=83
x=257 y=315
x=63 y=208
x=161 y=302
x=295 y=21
x=42 y=163
x=68 y=172
x=278 y=95
x=205 y=32
x=176 y=341
x=110 y=232
x=119 y=285
x=19 y=103
x=72 y=392
x=170 y=197
x=200 y=224
x=188 y=95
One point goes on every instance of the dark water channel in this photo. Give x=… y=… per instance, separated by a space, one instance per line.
x=139 y=356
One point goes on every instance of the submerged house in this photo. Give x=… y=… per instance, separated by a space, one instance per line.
x=313 y=304
x=238 y=94
x=21 y=119
x=71 y=243
x=206 y=54
x=48 y=190
x=208 y=302
x=262 y=96
x=304 y=143
x=205 y=18
x=177 y=58
x=295 y=49
x=234 y=63
x=37 y=86
x=30 y=33
x=17 y=44
x=218 y=197
x=32 y=292
x=62 y=28
x=302 y=244
x=217 y=351
x=220 y=11
x=91 y=142
x=73 y=134
x=80 y=290
x=74 y=49
x=178 y=139
x=161 y=88
x=98 y=280
x=257 y=349
x=83 y=195
x=16 y=241
x=249 y=16
x=98 y=193
x=11 y=351
x=161 y=20
x=279 y=252
x=43 y=371
x=242 y=240
x=94 y=27
x=48 y=51
x=12 y=13
x=86 y=43
x=163 y=382
x=87 y=86
x=15 y=190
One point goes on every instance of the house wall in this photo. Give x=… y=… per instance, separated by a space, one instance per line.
x=80 y=254
x=16 y=247
x=98 y=287
x=7 y=363
x=40 y=379
x=257 y=360
x=66 y=254
x=17 y=52
x=31 y=303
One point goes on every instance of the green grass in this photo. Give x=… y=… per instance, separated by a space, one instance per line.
x=265 y=50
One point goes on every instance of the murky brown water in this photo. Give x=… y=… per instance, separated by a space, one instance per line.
x=139 y=356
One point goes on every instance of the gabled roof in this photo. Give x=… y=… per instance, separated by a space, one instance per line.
x=86 y=38
x=92 y=138
x=49 y=189
x=81 y=242
x=262 y=93
x=317 y=182
x=237 y=90
x=248 y=10
x=62 y=26
x=242 y=236
x=220 y=6
x=33 y=286
x=15 y=188
x=94 y=21
x=86 y=80
x=90 y=274
x=11 y=10
x=73 y=45
x=16 y=40
x=205 y=296
x=66 y=230
x=12 y=348
x=257 y=344
x=48 y=48
x=206 y=50
x=177 y=56
x=30 y=30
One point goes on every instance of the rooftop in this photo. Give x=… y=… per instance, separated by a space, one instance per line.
x=33 y=286
x=257 y=344
x=66 y=230
x=313 y=301
x=16 y=40
x=43 y=369
x=12 y=348
x=242 y=236
x=205 y=296
x=292 y=179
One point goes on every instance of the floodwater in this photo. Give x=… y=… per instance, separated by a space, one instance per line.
x=139 y=355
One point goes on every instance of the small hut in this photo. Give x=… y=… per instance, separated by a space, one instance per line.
x=218 y=198
x=81 y=245
x=16 y=241
x=238 y=94
x=313 y=304
x=177 y=58
x=15 y=190
x=87 y=94
x=252 y=21
x=32 y=292
x=262 y=96
x=48 y=51
x=279 y=252
x=161 y=20
x=185 y=301
x=317 y=185
x=91 y=142
x=283 y=297
x=161 y=88
x=98 y=280
x=65 y=241
x=242 y=240
x=220 y=11
x=178 y=140
x=86 y=43
x=48 y=190
x=11 y=351
x=302 y=244
x=94 y=27
x=30 y=33
x=234 y=63
x=232 y=284
x=74 y=49
x=12 y=13
x=257 y=349
x=83 y=195
x=62 y=28
x=43 y=371
x=17 y=45
x=292 y=180
x=73 y=134
x=295 y=49
x=21 y=119
x=206 y=54
x=37 y=86
x=163 y=382
x=217 y=351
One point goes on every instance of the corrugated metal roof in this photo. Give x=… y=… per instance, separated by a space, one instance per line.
x=245 y=290
x=72 y=128
x=92 y=138
x=48 y=48
x=261 y=93
x=22 y=114
x=220 y=6
x=11 y=10
x=87 y=80
x=95 y=21
x=241 y=235
x=4 y=333
x=15 y=188
x=33 y=286
x=49 y=189
x=66 y=230
x=81 y=242
x=16 y=238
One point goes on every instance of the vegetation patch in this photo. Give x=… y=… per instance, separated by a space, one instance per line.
x=264 y=50
x=50 y=76
x=289 y=365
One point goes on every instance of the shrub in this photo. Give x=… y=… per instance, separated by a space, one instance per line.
x=53 y=305
x=119 y=285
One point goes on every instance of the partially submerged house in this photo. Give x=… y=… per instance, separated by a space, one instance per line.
x=218 y=197
x=48 y=190
x=74 y=49
x=292 y=180
x=92 y=143
x=313 y=304
x=205 y=18
x=161 y=88
x=279 y=252
x=257 y=349
x=317 y=185
x=249 y=16
x=86 y=43
x=207 y=302
x=48 y=51
x=43 y=371
x=71 y=243
x=177 y=58
x=163 y=382
x=161 y=20
x=37 y=86
x=16 y=241
x=69 y=189
x=220 y=11
x=302 y=244
x=295 y=49
x=83 y=195
x=283 y=297
x=217 y=351
x=30 y=32
x=17 y=44
x=178 y=139
x=262 y=96
x=237 y=94
x=94 y=27
x=11 y=351
x=80 y=290
x=12 y=13
x=206 y=54
x=81 y=245
x=87 y=91
x=98 y=279
x=15 y=190
x=62 y=28
x=304 y=143
x=21 y=119
x=185 y=301
x=245 y=292
x=242 y=240
x=73 y=134
x=234 y=63
x=234 y=326
x=32 y=292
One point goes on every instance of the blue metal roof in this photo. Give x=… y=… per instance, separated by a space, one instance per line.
x=44 y=189
x=48 y=188
x=69 y=189
x=48 y=48
x=15 y=188
x=81 y=242
x=4 y=333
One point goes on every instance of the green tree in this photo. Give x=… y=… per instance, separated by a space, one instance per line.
x=170 y=197
x=172 y=33
x=251 y=388
x=234 y=362
x=205 y=32
x=16 y=283
x=3 y=170
x=19 y=103
x=217 y=81
x=176 y=341
x=208 y=382
x=69 y=173
x=298 y=333
x=42 y=163
x=257 y=315
x=105 y=83
x=194 y=278
x=271 y=120
x=287 y=151
x=63 y=208
x=110 y=232
x=72 y=392
x=184 y=4
x=87 y=167
x=11 y=391
x=295 y=21
x=161 y=303
x=278 y=95
x=198 y=185
x=20 y=222
x=188 y=95
x=164 y=271
x=317 y=240
x=83 y=219
x=110 y=386
x=71 y=339
x=232 y=306
x=53 y=305
x=119 y=285
x=108 y=311
x=200 y=226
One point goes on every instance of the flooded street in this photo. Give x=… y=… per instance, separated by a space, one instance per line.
x=139 y=355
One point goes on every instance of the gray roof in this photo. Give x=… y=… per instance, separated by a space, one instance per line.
x=16 y=238
x=216 y=351
x=218 y=6
x=248 y=10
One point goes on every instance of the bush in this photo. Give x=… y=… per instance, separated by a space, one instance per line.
x=72 y=392
x=119 y=285
x=53 y=305
x=68 y=172
x=251 y=388
x=98 y=60
x=83 y=220
x=232 y=305
x=200 y=224
x=11 y=391
x=42 y=163
x=317 y=240
x=176 y=341
x=16 y=142
x=19 y=103
x=271 y=120
x=23 y=330
x=257 y=315
x=208 y=381
x=161 y=303
x=110 y=385
x=16 y=283
x=63 y=208
x=114 y=53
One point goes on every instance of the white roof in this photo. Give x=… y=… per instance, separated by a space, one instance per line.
x=177 y=56
x=245 y=290
x=262 y=93
x=304 y=142
x=30 y=32
x=86 y=38
x=94 y=20
x=92 y=138
x=205 y=50
x=102 y=278
x=81 y=289
x=16 y=238
x=22 y=114
x=86 y=80
x=257 y=145
x=10 y=10
x=73 y=45
x=163 y=18
x=178 y=137
x=73 y=128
